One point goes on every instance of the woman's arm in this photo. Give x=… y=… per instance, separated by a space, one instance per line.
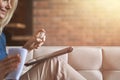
x=37 y=40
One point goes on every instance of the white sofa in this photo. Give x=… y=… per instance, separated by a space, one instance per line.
x=93 y=62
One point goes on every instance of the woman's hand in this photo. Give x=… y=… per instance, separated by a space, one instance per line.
x=37 y=40
x=8 y=64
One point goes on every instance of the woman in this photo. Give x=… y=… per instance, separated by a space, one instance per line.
x=52 y=69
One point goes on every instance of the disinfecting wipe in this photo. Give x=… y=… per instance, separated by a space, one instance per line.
x=15 y=75
x=40 y=35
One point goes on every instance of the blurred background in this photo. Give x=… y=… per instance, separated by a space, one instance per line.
x=67 y=22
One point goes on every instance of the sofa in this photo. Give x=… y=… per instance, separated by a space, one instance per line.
x=92 y=62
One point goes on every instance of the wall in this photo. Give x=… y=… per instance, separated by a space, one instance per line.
x=19 y=29
x=78 y=22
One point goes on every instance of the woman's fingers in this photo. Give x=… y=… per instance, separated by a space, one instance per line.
x=12 y=59
x=40 y=34
x=37 y=40
x=9 y=64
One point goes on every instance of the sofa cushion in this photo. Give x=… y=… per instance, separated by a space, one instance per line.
x=111 y=75
x=111 y=63
x=91 y=74
x=85 y=58
x=111 y=58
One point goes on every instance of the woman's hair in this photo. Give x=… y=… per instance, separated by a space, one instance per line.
x=8 y=16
